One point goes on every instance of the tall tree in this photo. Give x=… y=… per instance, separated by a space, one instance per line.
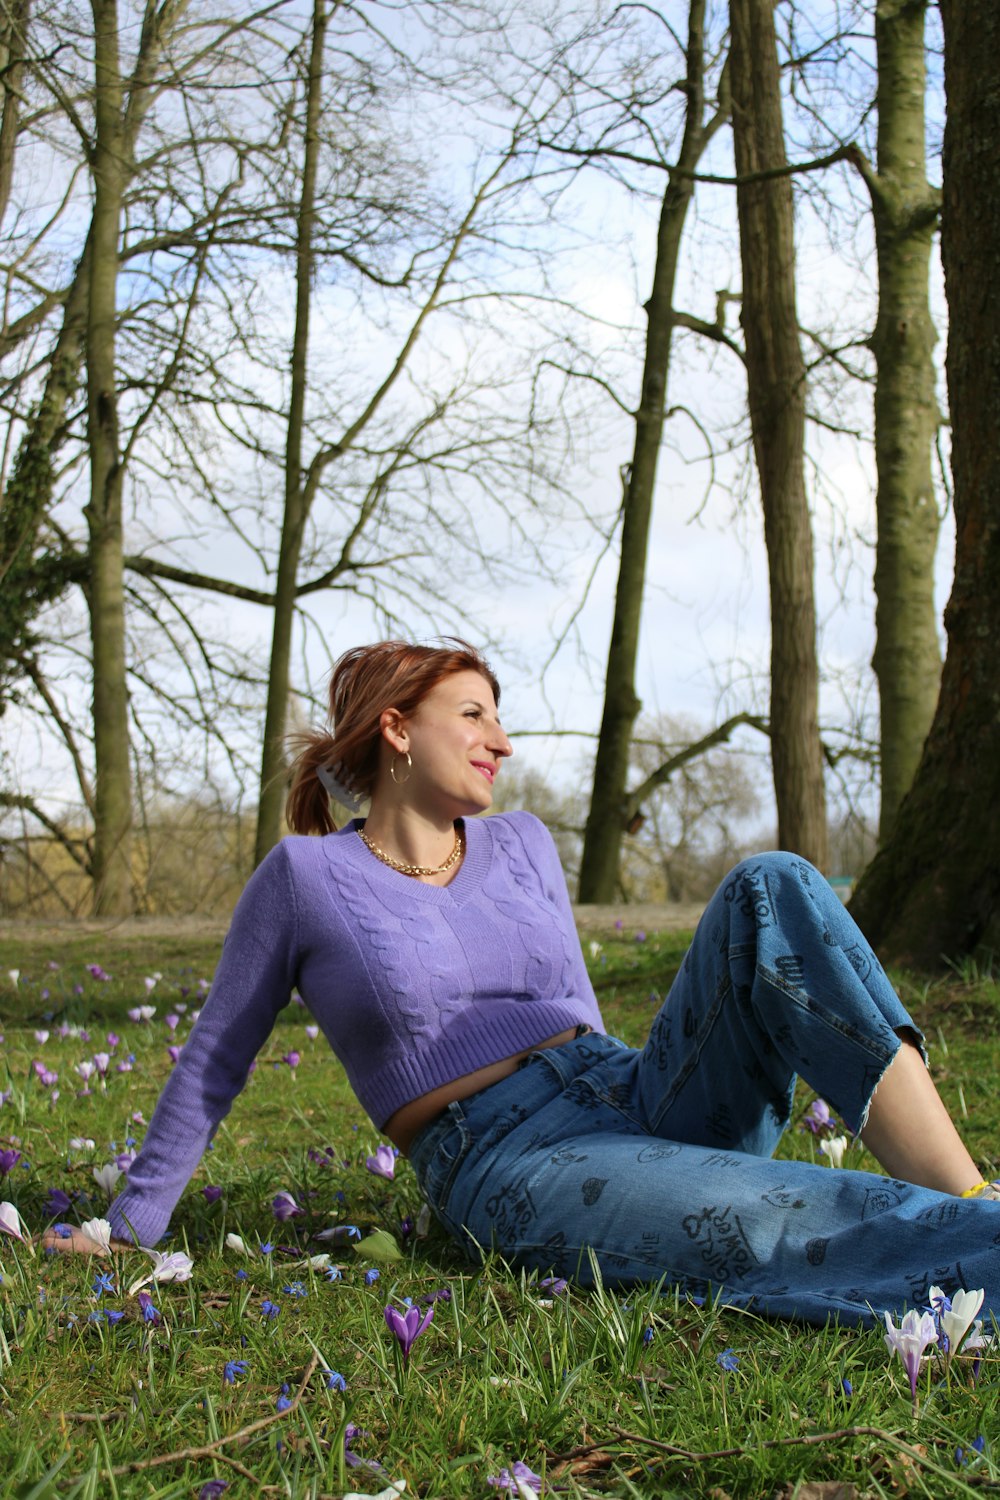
x=933 y=890
x=605 y=819
x=905 y=210
x=299 y=489
x=776 y=385
x=105 y=585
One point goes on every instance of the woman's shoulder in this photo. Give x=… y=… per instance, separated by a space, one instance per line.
x=302 y=851
x=529 y=831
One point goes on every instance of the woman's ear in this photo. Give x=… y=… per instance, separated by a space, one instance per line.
x=392 y=726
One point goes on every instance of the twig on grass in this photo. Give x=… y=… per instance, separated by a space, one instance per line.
x=806 y=1440
x=207 y=1450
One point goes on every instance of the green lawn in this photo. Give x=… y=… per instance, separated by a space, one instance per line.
x=602 y=1394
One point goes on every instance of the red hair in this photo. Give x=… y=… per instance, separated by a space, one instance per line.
x=365 y=682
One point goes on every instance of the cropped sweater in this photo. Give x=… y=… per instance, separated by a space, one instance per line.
x=413 y=985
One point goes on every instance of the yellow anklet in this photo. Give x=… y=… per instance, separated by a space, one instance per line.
x=972 y=1191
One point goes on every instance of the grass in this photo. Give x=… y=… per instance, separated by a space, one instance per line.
x=601 y=1393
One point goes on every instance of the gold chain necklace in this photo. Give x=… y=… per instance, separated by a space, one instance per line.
x=397 y=864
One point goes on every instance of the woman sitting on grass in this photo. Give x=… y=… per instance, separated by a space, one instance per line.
x=439 y=955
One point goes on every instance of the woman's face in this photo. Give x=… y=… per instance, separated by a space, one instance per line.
x=456 y=744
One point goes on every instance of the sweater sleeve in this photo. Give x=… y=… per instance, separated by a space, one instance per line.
x=252 y=983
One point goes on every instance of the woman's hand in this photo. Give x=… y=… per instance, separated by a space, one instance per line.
x=78 y=1243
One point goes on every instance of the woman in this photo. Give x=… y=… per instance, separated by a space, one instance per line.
x=438 y=954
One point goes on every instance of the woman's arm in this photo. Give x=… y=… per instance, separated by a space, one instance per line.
x=253 y=982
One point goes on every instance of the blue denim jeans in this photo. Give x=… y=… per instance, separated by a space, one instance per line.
x=656 y=1164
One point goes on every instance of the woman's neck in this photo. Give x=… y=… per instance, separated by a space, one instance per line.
x=409 y=839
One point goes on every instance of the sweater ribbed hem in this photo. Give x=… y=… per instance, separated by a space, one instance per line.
x=147 y=1220
x=510 y=1027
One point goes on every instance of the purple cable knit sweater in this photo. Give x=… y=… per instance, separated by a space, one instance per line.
x=413 y=985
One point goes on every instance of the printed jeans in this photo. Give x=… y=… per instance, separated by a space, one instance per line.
x=655 y=1164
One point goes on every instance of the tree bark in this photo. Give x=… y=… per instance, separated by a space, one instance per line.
x=907 y=659
x=933 y=891
x=606 y=818
x=13 y=46
x=105 y=587
x=272 y=767
x=776 y=383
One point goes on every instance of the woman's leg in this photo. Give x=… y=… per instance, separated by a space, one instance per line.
x=778 y=981
x=552 y=1168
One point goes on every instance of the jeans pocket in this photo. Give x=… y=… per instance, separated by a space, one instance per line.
x=438 y=1154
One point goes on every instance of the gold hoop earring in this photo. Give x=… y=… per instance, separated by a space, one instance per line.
x=392 y=768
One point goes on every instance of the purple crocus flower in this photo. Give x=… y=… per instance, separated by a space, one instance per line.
x=150 y=1313
x=96 y=972
x=354 y=1460
x=292 y=1059
x=211 y=1193
x=57 y=1203
x=284 y=1206
x=508 y=1479
x=407 y=1328
x=817 y=1117
x=8 y=1161
x=213 y=1489
x=443 y=1294
x=910 y=1340
x=173 y=1053
x=383 y=1163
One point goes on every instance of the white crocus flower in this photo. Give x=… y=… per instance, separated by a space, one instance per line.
x=170 y=1265
x=956 y=1323
x=173 y=1265
x=234 y=1242
x=11 y=1221
x=14 y=975
x=81 y=1143
x=98 y=1230
x=834 y=1148
x=107 y=1177
x=393 y=1490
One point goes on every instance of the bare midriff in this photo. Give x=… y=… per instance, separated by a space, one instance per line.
x=407 y=1122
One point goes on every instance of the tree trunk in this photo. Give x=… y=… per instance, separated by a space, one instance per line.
x=907 y=658
x=272 y=768
x=105 y=591
x=13 y=47
x=933 y=891
x=605 y=820
x=776 y=382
